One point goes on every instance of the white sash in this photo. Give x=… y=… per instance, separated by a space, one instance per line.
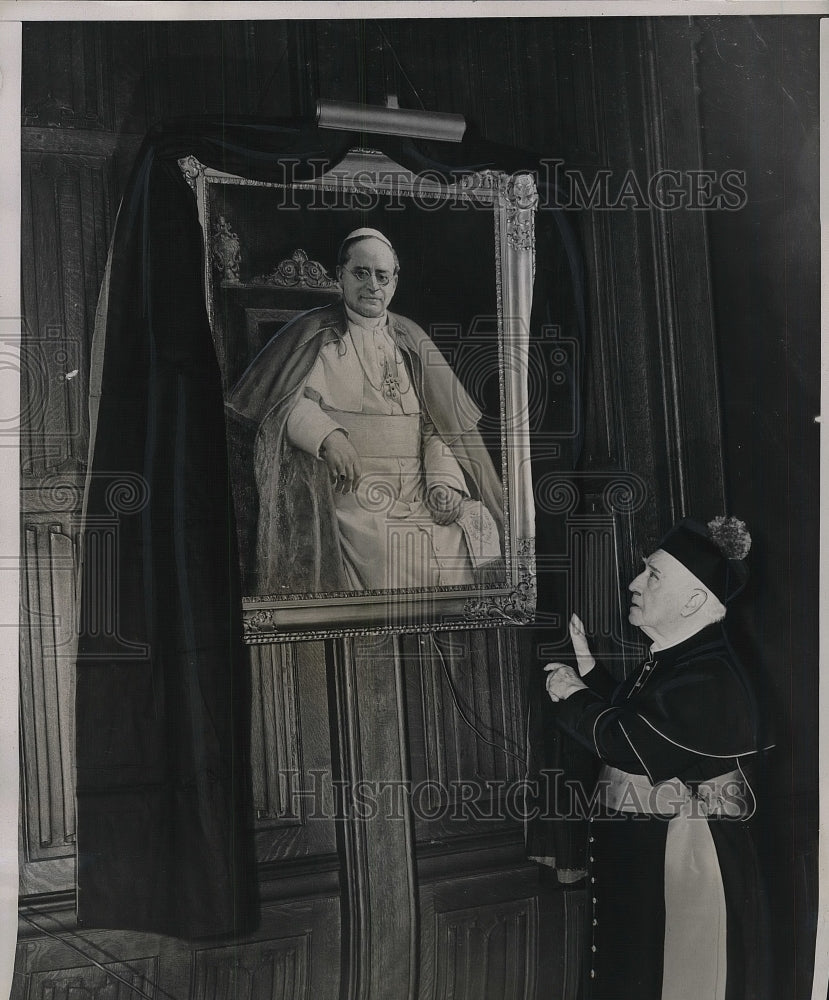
x=694 y=962
x=694 y=955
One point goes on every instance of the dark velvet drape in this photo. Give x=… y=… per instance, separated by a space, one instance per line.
x=162 y=695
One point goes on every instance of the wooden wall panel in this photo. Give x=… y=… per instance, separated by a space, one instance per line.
x=291 y=755
x=48 y=970
x=295 y=955
x=344 y=62
x=67 y=220
x=199 y=67
x=91 y=983
x=122 y=76
x=278 y=68
x=266 y=970
x=652 y=380
x=495 y=937
x=275 y=749
x=555 y=102
x=520 y=81
x=450 y=761
x=436 y=84
x=594 y=572
x=67 y=75
x=687 y=336
x=46 y=685
x=650 y=391
x=488 y=952
x=380 y=915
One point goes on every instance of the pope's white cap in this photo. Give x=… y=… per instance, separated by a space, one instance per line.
x=359 y=234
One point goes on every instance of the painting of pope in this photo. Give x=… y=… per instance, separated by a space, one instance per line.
x=370 y=471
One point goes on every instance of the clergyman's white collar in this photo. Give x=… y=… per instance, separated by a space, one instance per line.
x=366 y=322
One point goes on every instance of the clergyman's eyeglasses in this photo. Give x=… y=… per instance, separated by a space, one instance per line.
x=364 y=273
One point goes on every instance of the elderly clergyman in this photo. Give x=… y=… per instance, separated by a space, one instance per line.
x=370 y=471
x=675 y=903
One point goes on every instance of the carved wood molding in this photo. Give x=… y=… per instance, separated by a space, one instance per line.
x=191 y=170
x=472 y=943
x=575 y=908
x=225 y=251
x=46 y=688
x=297 y=271
x=272 y=968
x=382 y=939
x=520 y=197
x=109 y=981
x=516 y=607
x=276 y=752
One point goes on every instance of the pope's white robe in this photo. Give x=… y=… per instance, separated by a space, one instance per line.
x=360 y=385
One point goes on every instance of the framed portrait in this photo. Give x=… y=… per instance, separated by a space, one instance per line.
x=372 y=331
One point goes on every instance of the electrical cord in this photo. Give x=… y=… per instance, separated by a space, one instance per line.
x=399 y=65
x=462 y=714
x=107 y=972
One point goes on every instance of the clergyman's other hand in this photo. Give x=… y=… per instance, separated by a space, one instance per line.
x=444 y=504
x=562 y=681
x=343 y=462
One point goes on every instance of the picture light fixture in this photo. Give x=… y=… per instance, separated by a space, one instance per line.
x=352 y=117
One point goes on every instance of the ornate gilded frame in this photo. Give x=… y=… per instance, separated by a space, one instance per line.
x=511 y=200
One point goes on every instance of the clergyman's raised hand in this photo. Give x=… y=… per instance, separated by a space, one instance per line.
x=585 y=660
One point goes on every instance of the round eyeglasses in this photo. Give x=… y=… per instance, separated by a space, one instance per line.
x=364 y=273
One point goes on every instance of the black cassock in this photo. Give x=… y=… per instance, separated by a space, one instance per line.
x=688 y=713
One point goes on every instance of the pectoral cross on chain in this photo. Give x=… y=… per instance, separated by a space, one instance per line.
x=391 y=381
